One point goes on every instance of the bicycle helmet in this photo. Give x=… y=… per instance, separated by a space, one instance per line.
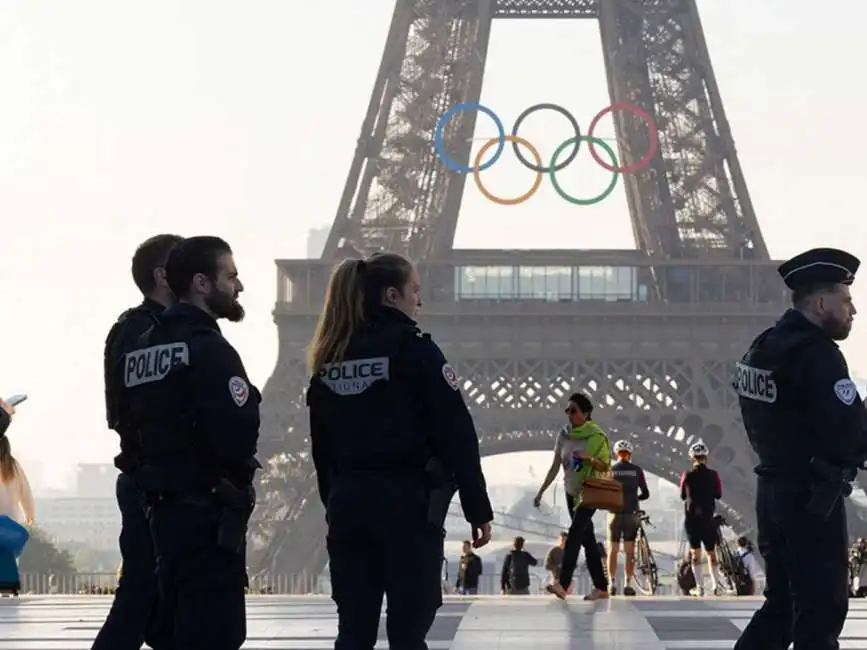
x=698 y=449
x=623 y=445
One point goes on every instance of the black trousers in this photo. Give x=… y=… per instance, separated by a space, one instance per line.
x=380 y=543
x=201 y=584
x=133 y=617
x=806 y=572
x=582 y=534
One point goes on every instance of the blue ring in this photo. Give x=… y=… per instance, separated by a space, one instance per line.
x=439 y=145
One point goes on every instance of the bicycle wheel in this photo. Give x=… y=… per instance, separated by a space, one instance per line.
x=646 y=575
x=725 y=558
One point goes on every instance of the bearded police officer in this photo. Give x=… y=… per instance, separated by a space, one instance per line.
x=197 y=417
x=806 y=423
x=134 y=616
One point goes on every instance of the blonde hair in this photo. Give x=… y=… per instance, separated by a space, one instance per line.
x=8 y=464
x=354 y=287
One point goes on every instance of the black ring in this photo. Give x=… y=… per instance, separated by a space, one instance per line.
x=558 y=109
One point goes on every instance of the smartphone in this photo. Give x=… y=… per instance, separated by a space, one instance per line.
x=15 y=400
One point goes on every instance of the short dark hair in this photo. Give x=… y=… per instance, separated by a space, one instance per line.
x=582 y=402
x=519 y=542
x=148 y=257
x=801 y=295
x=190 y=257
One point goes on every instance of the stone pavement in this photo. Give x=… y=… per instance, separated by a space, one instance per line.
x=519 y=623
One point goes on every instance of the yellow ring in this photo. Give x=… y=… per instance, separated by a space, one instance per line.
x=478 y=163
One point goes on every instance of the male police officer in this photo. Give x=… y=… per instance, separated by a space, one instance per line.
x=197 y=417
x=134 y=616
x=807 y=425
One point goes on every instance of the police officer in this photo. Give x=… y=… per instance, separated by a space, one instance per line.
x=197 y=418
x=134 y=616
x=806 y=423
x=389 y=430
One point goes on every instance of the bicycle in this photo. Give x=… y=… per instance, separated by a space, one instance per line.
x=646 y=572
x=732 y=570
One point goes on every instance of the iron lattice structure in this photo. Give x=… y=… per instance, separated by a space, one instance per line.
x=658 y=364
x=692 y=199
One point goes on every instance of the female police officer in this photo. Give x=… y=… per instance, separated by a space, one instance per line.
x=384 y=403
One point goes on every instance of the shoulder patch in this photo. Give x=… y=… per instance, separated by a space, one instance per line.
x=239 y=390
x=450 y=376
x=846 y=391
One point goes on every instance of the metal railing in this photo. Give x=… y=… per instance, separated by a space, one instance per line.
x=103 y=584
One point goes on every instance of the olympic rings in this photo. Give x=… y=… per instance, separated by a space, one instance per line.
x=653 y=136
x=502 y=138
x=590 y=140
x=515 y=140
x=557 y=109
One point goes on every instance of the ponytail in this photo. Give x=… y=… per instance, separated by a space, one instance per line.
x=341 y=316
x=355 y=287
x=8 y=464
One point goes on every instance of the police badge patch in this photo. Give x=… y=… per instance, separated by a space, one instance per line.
x=450 y=376
x=239 y=390
x=846 y=391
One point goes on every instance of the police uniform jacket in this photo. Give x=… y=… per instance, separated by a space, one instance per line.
x=391 y=405
x=798 y=401
x=122 y=337
x=195 y=411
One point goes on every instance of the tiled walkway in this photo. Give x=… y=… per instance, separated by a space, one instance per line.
x=534 y=622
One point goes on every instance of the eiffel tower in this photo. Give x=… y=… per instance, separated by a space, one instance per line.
x=650 y=334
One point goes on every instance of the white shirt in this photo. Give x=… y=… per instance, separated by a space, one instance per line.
x=751 y=564
x=16 y=497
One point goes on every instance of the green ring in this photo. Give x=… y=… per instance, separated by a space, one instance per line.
x=590 y=140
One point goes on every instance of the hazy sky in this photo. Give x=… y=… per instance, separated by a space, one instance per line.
x=119 y=120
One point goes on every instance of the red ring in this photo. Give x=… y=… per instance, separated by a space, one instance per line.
x=653 y=134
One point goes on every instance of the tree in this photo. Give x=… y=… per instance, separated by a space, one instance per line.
x=41 y=556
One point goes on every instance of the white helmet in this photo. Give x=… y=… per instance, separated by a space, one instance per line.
x=622 y=445
x=698 y=449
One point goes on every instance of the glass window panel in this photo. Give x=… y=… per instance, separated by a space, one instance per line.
x=552 y=283
x=484 y=282
x=607 y=283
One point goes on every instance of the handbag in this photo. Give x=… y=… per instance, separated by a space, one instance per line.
x=602 y=494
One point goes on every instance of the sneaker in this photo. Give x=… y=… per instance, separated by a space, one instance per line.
x=628 y=591
x=614 y=590
x=597 y=594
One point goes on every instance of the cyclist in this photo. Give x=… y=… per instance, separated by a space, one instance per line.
x=700 y=487
x=623 y=524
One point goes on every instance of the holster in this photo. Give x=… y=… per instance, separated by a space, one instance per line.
x=828 y=484
x=237 y=506
x=441 y=488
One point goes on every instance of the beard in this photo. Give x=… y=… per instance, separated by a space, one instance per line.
x=225 y=305
x=837 y=329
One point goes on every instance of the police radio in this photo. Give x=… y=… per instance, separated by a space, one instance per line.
x=15 y=400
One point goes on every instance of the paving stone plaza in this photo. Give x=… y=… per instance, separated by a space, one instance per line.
x=532 y=622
